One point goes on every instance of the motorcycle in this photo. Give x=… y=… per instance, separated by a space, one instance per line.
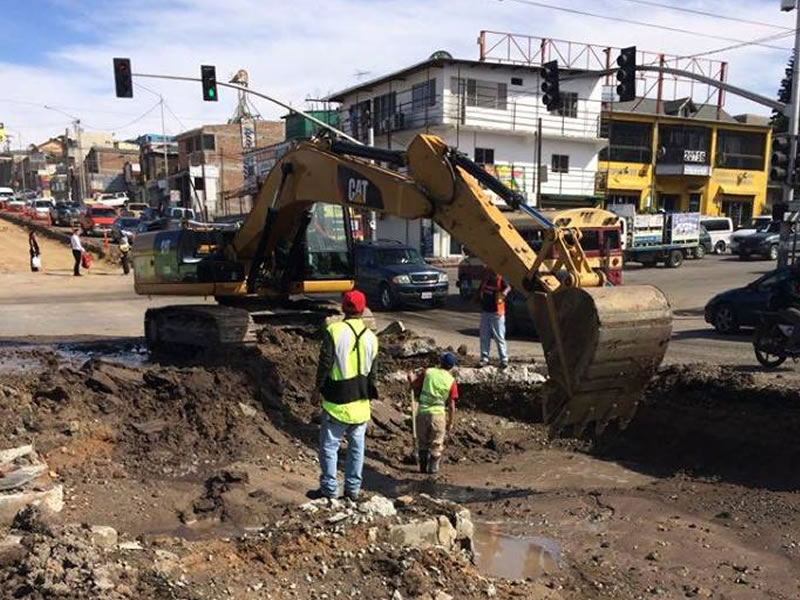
x=125 y=257
x=771 y=341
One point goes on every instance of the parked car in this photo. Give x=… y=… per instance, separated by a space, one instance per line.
x=763 y=243
x=754 y=226
x=17 y=205
x=97 y=219
x=394 y=274
x=705 y=246
x=139 y=209
x=40 y=209
x=127 y=226
x=720 y=229
x=180 y=213
x=739 y=307
x=65 y=214
x=6 y=195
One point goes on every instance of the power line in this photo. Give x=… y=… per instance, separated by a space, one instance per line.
x=708 y=14
x=742 y=45
x=175 y=116
x=136 y=120
x=584 y=13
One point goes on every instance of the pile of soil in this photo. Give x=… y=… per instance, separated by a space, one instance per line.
x=695 y=418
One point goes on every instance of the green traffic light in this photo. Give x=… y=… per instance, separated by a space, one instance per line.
x=211 y=92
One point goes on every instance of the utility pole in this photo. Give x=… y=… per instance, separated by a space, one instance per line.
x=791 y=217
x=79 y=160
x=164 y=141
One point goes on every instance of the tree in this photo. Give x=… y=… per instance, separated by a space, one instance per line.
x=780 y=122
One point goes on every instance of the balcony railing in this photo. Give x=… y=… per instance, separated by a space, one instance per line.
x=515 y=114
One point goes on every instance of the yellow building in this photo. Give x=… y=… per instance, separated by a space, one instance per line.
x=704 y=160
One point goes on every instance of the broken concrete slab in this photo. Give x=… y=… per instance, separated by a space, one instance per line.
x=413 y=347
x=393 y=328
x=378 y=506
x=103 y=536
x=247 y=411
x=21 y=476
x=437 y=531
x=50 y=500
x=11 y=454
x=523 y=374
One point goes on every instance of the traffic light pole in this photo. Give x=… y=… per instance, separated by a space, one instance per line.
x=246 y=90
x=794 y=128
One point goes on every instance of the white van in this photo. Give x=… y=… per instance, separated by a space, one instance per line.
x=720 y=229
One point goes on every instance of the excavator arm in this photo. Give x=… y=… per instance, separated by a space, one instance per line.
x=602 y=344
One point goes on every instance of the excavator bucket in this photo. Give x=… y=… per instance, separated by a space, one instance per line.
x=602 y=346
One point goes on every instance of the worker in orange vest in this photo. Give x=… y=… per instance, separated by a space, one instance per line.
x=493 y=292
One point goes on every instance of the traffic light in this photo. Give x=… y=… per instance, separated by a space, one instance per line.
x=551 y=95
x=209 y=75
x=122 y=77
x=626 y=74
x=779 y=170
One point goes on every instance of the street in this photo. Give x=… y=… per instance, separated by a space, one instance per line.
x=52 y=306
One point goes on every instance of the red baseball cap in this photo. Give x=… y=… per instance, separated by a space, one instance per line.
x=353 y=303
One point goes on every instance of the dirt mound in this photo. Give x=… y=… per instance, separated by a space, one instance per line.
x=696 y=418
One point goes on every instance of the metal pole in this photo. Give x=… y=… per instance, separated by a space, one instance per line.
x=539 y=163
x=81 y=181
x=164 y=141
x=373 y=217
x=794 y=127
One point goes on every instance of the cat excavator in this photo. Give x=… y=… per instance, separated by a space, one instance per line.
x=602 y=343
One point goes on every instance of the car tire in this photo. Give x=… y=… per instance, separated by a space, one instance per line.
x=773 y=252
x=700 y=252
x=720 y=247
x=386 y=298
x=675 y=259
x=725 y=320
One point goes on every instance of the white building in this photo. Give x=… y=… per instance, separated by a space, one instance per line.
x=491 y=112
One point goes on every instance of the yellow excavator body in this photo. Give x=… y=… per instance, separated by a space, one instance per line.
x=602 y=343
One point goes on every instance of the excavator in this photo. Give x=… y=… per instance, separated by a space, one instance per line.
x=602 y=343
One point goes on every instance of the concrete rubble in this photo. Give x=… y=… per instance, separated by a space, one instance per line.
x=25 y=480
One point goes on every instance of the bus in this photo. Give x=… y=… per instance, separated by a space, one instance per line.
x=601 y=240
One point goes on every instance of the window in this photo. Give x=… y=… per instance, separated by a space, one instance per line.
x=208 y=142
x=487 y=94
x=569 y=105
x=684 y=144
x=717 y=224
x=360 y=116
x=560 y=163
x=199 y=184
x=516 y=81
x=484 y=156
x=741 y=150
x=383 y=109
x=423 y=94
x=628 y=142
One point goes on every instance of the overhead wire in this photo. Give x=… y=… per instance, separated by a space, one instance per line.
x=585 y=13
x=704 y=13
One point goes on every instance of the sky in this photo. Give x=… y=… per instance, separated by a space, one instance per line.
x=58 y=53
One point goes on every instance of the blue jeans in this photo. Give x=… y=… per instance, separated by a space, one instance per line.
x=331 y=432
x=493 y=326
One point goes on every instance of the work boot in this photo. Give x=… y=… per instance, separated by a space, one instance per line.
x=423 y=461
x=433 y=464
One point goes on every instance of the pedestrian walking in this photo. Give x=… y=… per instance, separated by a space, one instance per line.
x=437 y=391
x=77 y=251
x=33 y=248
x=346 y=377
x=493 y=293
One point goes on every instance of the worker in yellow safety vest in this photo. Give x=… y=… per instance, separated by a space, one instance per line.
x=437 y=391
x=346 y=376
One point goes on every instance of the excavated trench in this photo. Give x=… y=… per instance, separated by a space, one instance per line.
x=211 y=447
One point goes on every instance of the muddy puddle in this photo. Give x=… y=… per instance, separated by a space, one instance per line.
x=24 y=359
x=500 y=553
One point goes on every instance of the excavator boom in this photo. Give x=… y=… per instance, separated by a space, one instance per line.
x=602 y=343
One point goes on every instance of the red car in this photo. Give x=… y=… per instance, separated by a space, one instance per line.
x=97 y=219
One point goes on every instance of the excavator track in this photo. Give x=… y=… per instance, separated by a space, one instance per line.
x=602 y=346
